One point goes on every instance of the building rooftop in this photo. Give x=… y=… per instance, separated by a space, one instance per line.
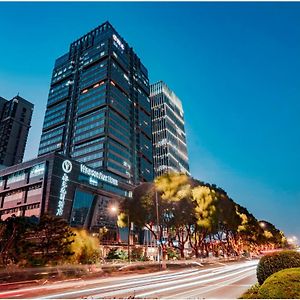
x=161 y=87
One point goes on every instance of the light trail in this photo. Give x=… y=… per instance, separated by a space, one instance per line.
x=141 y=281
x=189 y=284
x=160 y=284
x=204 y=289
x=154 y=283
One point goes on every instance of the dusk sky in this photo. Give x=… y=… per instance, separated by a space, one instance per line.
x=235 y=66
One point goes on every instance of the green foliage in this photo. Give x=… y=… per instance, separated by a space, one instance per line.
x=272 y=234
x=251 y=293
x=284 y=284
x=272 y=263
x=85 y=248
x=172 y=253
x=35 y=243
x=173 y=186
x=137 y=253
x=203 y=215
x=204 y=198
x=117 y=254
x=13 y=242
x=51 y=239
x=122 y=220
x=142 y=206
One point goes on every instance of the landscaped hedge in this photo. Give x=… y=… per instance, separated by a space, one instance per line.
x=272 y=263
x=284 y=284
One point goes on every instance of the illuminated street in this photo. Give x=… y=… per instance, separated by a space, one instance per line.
x=219 y=281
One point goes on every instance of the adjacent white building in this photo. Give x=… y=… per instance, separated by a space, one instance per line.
x=168 y=134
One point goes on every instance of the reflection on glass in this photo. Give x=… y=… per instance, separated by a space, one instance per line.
x=81 y=207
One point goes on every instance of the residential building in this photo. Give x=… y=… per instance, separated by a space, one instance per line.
x=15 y=119
x=98 y=109
x=168 y=134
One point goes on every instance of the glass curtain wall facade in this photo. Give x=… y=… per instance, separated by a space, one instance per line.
x=98 y=109
x=169 y=138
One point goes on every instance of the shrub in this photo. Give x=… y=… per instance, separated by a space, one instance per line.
x=117 y=254
x=284 y=284
x=251 y=293
x=136 y=253
x=85 y=248
x=172 y=253
x=272 y=263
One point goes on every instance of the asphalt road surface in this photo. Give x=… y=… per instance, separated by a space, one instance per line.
x=218 y=282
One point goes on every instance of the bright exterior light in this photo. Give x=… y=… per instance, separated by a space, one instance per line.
x=113 y=209
x=262 y=224
x=292 y=239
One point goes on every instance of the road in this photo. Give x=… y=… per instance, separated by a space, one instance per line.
x=218 y=282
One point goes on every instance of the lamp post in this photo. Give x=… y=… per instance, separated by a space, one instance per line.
x=158 y=230
x=114 y=209
x=161 y=262
x=128 y=241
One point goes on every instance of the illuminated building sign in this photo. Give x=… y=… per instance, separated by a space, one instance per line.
x=67 y=168
x=119 y=43
x=93 y=181
x=98 y=175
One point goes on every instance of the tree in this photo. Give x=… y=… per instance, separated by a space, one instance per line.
x=142 y=207
x=176 y=208
x=226 y=223
x=173 y=186
x=186 y=209
x=181 y=217
x=50 y=240
x=274 y=237
x=13 y=237
x=203 y=199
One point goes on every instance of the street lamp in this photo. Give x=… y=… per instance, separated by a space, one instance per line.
x=292 y=240
x=262 y=224
x=158 y=231
x=114 y=210
x=128 y=237
x=160 y=257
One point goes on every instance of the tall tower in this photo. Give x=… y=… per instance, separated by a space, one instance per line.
x=15 y=119
x=98 y=109
x=169 y=139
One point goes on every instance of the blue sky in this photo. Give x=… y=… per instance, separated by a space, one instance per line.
x=234 y=65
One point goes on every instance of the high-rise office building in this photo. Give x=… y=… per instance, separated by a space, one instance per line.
x=168 y=134
x=98 y=109
x=15 y=119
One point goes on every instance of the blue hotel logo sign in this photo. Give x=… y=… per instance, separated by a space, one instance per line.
x=67 y=168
